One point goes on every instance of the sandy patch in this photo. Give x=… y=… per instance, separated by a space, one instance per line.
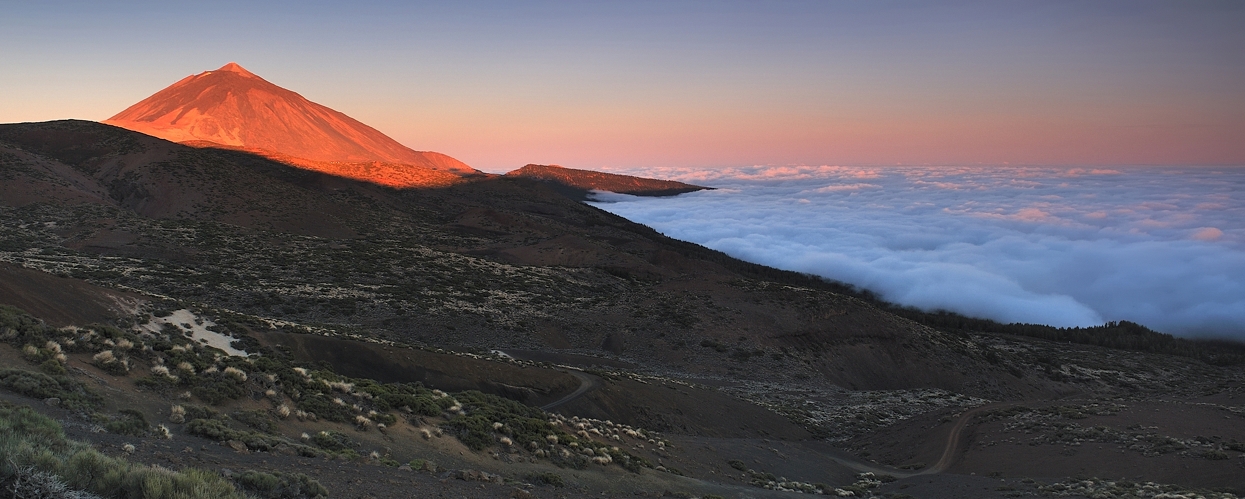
x=197 y=326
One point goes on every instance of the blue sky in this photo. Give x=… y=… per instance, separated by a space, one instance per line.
x=501 y=84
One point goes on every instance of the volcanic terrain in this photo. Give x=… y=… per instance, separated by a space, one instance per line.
x=468 y=335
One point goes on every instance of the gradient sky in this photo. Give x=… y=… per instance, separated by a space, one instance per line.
x=700 y=84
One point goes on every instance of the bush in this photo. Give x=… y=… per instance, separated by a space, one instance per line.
x=53 y=367
x=219 y=430
x=30 y=483
x=257 y=419
x=216 y=389
x=19 y=328
x=475 y=431
x=130 y=422
x=547 y=478
x=199 y=412
x=282 y=485
x=332 y=441
x=324 y=408
x=73 y=395
x=524 y=423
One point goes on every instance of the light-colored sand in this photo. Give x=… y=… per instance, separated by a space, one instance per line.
x=198 y=328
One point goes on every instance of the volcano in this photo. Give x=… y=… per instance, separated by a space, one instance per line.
x=237 y=109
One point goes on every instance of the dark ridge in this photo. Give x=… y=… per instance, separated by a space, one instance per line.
x=578 y=183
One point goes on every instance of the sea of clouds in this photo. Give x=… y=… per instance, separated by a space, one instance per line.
x=1164 y=247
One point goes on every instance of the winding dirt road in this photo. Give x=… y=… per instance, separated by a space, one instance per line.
x=586 y=383
x=954 y=438
x=950 y=450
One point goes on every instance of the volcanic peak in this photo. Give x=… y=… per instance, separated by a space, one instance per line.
x=233 y=67
x=234 y=107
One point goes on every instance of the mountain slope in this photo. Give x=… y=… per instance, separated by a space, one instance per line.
x=233 y=107
x=501 y=261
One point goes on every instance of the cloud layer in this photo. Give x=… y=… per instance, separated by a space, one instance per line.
x=1062 y=246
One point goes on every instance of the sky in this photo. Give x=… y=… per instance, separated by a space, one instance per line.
x=682 y=84
x=1064 y=246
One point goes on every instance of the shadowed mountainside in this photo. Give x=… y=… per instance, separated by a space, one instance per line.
x=233 y=107
x=580 y=182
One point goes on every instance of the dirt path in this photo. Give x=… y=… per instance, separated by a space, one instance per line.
x=949 y=451
x=955 y=438
x=586 y=383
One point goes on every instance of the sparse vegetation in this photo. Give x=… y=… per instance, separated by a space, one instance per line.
x=37 y=454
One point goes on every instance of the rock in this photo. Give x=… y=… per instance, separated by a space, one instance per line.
x=405 y=467
x=52 y=401
x=522 y=494
x=237 y=445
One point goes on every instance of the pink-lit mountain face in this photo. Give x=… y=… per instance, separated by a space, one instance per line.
x=233 y=107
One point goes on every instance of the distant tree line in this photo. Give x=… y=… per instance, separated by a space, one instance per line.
x=1121 y=335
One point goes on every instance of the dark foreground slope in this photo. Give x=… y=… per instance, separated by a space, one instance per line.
x=749 y=374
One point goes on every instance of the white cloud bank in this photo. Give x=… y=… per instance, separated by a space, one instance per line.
x=1164 y=247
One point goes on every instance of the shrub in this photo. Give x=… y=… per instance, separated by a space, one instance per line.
x=282 y=485
x=53 y=367
x=547 y=478
x=111 y=363
x=235 y=373
x=332 y=441
x=215 y=388
x=73 y=395
x=130 y=422
x=475 y=431
x=385 y=419
x=525 y=423
x=324 y=408
x=192 y=412
x=257 y=419
x=30 y=483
